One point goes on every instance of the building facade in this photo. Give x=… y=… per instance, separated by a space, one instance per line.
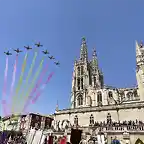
x=98 y=113
x=25 y=122
x=97 y=109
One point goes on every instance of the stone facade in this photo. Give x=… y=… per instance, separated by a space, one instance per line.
x=100 y=108
x=26 y=122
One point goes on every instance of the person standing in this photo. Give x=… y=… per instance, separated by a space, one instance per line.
x=63 y=140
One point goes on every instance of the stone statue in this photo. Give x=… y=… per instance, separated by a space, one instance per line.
x=83 y=140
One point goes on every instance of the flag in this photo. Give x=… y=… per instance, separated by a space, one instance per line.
x=63 y=140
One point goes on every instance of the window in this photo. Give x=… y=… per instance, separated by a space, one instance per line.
x=99 y=97
x=135 y=93
x=89 y=101
x=80 y=100
x=82 y=70
x=78 y=71
x=91 y=120
x=94 y=81
x=81 y=83
x=109 y=120
x=78 y=83
x=130 y=95
x=76 y=120
x=110 y=94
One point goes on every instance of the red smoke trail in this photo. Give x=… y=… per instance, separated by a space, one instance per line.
x=13 y=77
x=40 y=80
x=36 y=86
x=40 y=91
x=5 y=86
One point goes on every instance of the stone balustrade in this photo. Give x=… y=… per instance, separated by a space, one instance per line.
x=139 y=128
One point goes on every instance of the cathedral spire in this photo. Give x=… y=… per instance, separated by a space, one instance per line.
x=139 y=51
x=83 y=51
x=94 y=58
x=57 y=107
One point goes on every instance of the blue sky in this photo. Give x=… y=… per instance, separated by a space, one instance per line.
x=110 y=26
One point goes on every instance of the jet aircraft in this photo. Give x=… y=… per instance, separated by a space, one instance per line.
x=57 y=63
x=51 y=57
x=45 y=52
x=17 y=50
x=38 y=44
x=27 y=47
x=8 y=53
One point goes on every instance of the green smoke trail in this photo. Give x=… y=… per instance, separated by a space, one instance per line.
x=20 y=82
x=28 y=76
x=31 y=68
x=33 y=81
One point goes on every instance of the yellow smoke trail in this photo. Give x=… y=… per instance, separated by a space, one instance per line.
x=28 y=76
x=30 y=71
x=33 y=82
x=20 y=82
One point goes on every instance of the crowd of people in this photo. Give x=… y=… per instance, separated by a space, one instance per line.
x=124 y=123
x=10 y=137
x=60 y=140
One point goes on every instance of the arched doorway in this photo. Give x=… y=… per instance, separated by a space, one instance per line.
x=139 y=141
x=75 y=136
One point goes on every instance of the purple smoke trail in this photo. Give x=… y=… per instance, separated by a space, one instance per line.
x=40 y=80
x=13 y=77
x=38 y=93
x=42 y=88
x=5 y=77
x=36 y=86
x=4 y=87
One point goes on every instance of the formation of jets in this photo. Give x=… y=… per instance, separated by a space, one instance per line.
x=17 y=50
x=45 y=52
x=51 y=57
x=29 y=48
x=8 y=53
x=57 y=63
x=38 y=44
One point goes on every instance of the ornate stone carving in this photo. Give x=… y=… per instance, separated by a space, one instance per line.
x=61 y=125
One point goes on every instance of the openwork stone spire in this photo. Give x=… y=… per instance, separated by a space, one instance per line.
x=94 y=59
x=83 y=51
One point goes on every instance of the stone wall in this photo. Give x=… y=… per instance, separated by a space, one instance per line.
x=118 y=113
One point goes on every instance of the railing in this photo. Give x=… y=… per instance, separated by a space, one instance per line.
x=128 y=128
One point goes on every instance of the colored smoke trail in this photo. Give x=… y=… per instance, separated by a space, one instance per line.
x=42 y=88
x=5 y=77
x=13 y=77
x=34 y=79
x=20 y=81
x=31 y=68
x=38 y=93
x=30 y=71
x=5 y=86
x=37 y=85
x=40 y=80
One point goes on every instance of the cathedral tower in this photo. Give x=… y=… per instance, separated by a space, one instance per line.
x=140 y=69
x=96 y=74
x=80 y=77
x=86 y=75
